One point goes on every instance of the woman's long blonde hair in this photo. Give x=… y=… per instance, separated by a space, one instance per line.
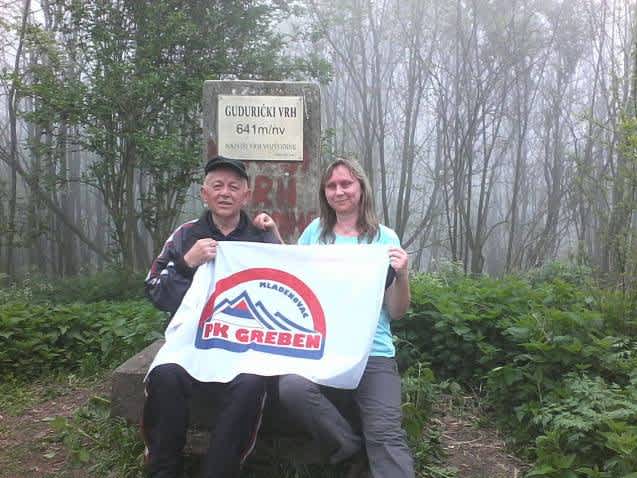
x=367 y=223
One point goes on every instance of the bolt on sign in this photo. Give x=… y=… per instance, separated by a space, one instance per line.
x=275 y=128
x=261 y=128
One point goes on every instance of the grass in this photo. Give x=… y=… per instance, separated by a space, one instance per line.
x=99 y=444
x=16 y=396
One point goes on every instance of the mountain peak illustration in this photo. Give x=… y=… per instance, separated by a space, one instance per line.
x=242 y=307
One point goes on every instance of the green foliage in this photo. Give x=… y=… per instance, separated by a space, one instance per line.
x=18 y=395
x=36 y=339
x=419 y=393
x=555 y=356
x=128 y=77
x=100 y=444
x=456 y=321
x=587 y=424
x=575 y=274
x=110 y=285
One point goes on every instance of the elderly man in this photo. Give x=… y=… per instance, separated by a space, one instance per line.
x=225 y=191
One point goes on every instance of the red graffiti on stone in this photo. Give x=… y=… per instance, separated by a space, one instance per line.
x=277 y=196
x=286 y=193
x=265 y=194
x=290 y=222
x=261 y=191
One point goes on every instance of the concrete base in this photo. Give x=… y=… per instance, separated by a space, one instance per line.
x=127 y=387
x=277 y=437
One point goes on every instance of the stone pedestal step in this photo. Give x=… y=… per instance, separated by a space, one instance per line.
x=277 y=435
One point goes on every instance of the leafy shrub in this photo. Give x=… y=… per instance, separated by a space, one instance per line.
x=571 y=273
x=556 y=357
x=35 y=339
x=589 y=428
x=457 y=323
x=110 y=285
x=418 y=395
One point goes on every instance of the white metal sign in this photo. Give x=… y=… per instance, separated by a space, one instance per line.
x=261 y=128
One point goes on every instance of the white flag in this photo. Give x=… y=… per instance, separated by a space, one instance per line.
x=271 y=309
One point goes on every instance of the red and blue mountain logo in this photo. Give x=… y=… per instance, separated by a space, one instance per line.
x=263 y=309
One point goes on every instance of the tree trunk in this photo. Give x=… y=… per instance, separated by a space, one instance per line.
x=12 y=106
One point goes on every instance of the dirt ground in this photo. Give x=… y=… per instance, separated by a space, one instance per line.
x=28 y=444
x=474 y=451
x=29 y=447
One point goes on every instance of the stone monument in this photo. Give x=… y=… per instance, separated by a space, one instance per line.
x=275 y=128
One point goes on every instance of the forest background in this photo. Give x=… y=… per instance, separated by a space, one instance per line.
x=500 y=136
x=497 y=134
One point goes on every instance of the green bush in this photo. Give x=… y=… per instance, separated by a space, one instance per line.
x=589 y=428
x=110 y=285
x=555 y=356
x=458 y=323
x=575 y=274
x=35 y=339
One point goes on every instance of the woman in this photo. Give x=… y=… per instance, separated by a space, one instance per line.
x=348 y=217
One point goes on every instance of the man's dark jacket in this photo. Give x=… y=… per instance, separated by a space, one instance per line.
x=170 y=277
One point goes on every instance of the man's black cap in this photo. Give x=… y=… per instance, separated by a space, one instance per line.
x=223 y=162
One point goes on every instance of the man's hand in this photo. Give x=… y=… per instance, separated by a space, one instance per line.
x=264 y=222
x=399 y=260
x=204 y=250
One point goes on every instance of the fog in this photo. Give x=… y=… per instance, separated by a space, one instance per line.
x=499 y=135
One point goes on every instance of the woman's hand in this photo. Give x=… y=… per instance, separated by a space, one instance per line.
x=399 y=260
x=397 y=296
x=264 y=222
